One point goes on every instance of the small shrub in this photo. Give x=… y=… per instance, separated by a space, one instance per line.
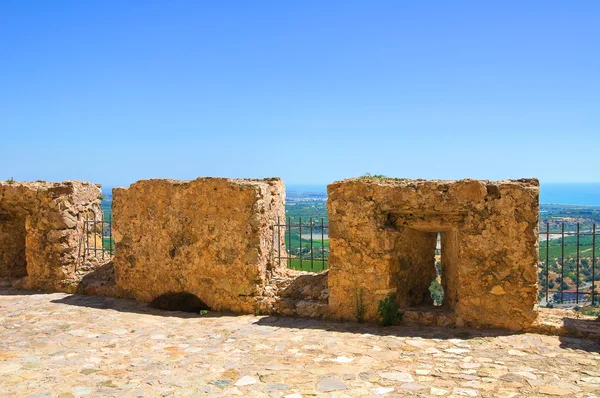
x=70 y=289
x=80 y=289
x=590 y=310
x=389 y=311
x=101 y=198
x=203 y=312
x=10 y=181
x=374 y=176
x=437 y=292
x=257 y=312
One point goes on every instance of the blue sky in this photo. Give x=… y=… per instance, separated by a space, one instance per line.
x=312 y=91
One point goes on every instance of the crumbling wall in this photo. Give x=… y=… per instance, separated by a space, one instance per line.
x=212 y=237
x=382 y=239
x=41 y=231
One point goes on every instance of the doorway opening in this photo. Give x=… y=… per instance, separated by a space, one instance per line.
x=427 y=273
x=13 y=261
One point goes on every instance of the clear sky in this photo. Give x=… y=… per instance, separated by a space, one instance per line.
x=311 y=91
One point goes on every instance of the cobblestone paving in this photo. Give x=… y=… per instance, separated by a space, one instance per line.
x=56 y=345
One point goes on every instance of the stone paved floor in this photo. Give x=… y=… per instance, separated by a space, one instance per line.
x=56 y=345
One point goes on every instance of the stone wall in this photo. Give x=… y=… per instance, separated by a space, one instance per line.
x=41 y=231
x=212 y=237
x=383 y=234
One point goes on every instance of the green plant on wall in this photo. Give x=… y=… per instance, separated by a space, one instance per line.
x=360 y=305
x=389 y=311
x=374 y=176
x=369 y=176
x=437 y=292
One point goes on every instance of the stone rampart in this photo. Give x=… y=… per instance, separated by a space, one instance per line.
x=383 y=235
x=214 y=238
x=211 y=237
x=42 y=231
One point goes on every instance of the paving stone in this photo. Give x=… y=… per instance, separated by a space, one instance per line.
x=276 y=387
x=328 y=385
x=81 y=391
x=466 y=392
x=556 y=391
x=412 y=386
x=245 y=381
x=398 y=376
x=457 y=350
x=226 y=355
x=383 y=390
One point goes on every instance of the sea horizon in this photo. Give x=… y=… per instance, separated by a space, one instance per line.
x=559 y=193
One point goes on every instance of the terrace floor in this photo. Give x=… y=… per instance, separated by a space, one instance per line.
x=58 y=345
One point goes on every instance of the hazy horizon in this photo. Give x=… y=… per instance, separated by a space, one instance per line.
x=562 y=193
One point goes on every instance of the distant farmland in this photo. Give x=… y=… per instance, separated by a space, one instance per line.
x=555 y=247
x=307 y=209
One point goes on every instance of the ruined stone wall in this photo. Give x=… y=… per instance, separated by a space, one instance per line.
x=41 y=227
x=212 y=237
x=382 y=239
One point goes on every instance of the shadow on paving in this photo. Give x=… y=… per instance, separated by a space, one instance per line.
x=591 y=326
x=426 y=332
x=577 y=343
x=115 y=304
x=130 y=306
x=11 y=291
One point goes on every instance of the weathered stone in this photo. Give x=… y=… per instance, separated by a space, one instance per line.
x=398 y=376
x=211 y=237
x=245 y=381
x=42 y=231
x=383 y=390
x=467 y=392
x=383 y=236
x=555 y=391
x=271 y=387
x=328 y=385
x=438 y=391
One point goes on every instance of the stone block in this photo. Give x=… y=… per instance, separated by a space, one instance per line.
x=211 y=237
x=383 y=236
x=41 y=229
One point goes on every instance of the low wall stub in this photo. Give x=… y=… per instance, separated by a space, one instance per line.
x=42 y=231
x=212 y=237
x=383 y=235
